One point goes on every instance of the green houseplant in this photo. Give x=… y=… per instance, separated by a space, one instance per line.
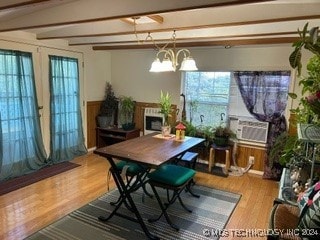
x=221 y=135
x=205 y=132
x=289 y=150
x=166 y=110
x=126 y=110
x=309 y=104
x=108 y=107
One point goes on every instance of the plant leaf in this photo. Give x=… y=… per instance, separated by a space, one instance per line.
x=295 y=59
x=305 y=30
x=293 y=95
x=314 y=35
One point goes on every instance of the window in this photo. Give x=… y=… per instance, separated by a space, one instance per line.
x=207 y=97
x=212 y=96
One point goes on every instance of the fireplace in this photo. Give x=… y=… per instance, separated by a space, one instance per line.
x=153 y=120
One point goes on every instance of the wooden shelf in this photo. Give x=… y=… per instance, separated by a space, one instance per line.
x=109 y=136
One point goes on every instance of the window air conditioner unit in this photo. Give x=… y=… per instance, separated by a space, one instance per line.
x=252 y=131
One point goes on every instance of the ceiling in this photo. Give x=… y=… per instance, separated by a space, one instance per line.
x=102 y=24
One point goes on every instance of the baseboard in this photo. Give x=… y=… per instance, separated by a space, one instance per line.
x=90 y=150
x=255 y=172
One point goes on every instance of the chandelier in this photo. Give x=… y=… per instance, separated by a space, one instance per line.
x=170 y=59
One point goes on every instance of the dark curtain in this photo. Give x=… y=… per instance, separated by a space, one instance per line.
x=265 y=97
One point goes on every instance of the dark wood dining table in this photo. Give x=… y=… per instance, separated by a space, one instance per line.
x=150 y=151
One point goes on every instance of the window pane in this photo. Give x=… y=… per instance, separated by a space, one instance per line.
x=207 y=97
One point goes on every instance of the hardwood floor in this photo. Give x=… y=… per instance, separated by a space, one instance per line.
x=27 y=210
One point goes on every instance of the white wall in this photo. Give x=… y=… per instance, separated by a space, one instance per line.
x=130 y=70
x=97 y=67
x=131 y=76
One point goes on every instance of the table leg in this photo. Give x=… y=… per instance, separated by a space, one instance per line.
x=125 y=196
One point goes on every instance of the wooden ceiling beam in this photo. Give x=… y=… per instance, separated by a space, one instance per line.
x=18 y=4
x=101 y=10
x=156 y=18
x=153 y=18
x=214 y=25
x=196 y=39
x=235 y=42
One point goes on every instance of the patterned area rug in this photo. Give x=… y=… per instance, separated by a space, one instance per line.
x=210 y=212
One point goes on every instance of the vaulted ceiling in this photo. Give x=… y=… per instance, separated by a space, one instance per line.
x=125 y=24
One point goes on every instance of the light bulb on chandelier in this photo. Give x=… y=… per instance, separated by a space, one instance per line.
x=170 y=60
x=170 y=57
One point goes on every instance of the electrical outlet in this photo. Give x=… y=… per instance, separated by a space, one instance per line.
x=251 y=160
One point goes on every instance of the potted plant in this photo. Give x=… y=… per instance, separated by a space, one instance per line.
x=126 y=112
x=165 y=109
x=309 y=105
x=205 y=132
x=107 y=107
x=221 y=135
x=191 y=130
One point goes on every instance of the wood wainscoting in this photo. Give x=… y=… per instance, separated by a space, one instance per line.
x=93 y=110
x=244 y=151
x=92 y=113
x=139 y=113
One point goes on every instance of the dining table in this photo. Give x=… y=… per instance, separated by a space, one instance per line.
x=149 y=151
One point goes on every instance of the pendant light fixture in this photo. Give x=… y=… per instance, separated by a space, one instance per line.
x=167 y=59
x=170 y=59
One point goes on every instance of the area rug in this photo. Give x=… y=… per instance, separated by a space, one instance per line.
x=210 y=212
x=25 y=180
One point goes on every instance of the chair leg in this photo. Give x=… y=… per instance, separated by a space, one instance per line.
x=120 y=198
x=163 y=210
x=192 y=165
x=129 y=179
x=194 y=161
x=145 y=192
x=188 y=189
x=183 y=205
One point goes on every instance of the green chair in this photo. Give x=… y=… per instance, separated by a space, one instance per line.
x=170 y=177
x=189 y=158
x=134 y=175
